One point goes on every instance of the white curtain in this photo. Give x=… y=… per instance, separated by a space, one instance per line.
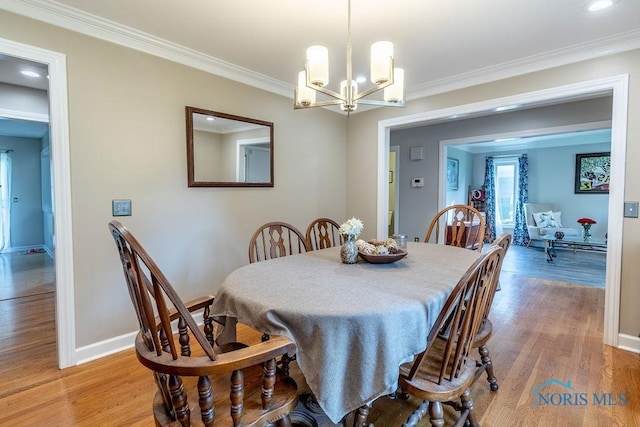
x=5 y=202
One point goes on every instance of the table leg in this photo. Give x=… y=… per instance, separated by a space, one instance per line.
x=548 y=250
x=228 y=333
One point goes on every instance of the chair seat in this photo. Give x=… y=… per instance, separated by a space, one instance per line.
x=425 y=385
x=285 y=399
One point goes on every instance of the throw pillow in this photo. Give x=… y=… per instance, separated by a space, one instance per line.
x=537 y=217
x=557 y=217
x=547 y=221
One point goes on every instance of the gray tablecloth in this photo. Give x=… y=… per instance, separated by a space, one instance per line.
x=353 y=324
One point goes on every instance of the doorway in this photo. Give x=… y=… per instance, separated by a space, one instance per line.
x=618 y=87
x=61 y=183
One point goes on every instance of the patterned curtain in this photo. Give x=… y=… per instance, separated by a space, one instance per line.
x=490 y=200
x=520 y=233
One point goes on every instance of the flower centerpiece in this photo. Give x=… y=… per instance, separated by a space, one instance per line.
x=586 y=227
x=350 y=230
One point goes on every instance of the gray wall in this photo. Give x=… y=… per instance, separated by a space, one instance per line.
x=419 y=205
x=551 y=180
x=26 y=212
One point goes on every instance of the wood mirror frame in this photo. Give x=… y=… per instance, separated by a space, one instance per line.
x=222 y=148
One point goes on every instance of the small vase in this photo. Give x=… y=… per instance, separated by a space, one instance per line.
x=586 y=231
x=349 y=250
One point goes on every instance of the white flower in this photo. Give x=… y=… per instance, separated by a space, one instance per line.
x=352 y=227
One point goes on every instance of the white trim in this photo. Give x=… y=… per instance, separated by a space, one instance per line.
x=59 y=132
x=619 y=85
x=552 y=59
x=76 y=20
x=603 y=124
x=105 y=348
x=629 y=343
x=23 y=115
x=396 y=186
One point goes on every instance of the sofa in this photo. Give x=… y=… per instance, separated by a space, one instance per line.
x=545 y=219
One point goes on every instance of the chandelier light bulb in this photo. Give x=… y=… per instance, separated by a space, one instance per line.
x=305 y=95
x=315 y=79
x=318 y=65
x=395 y=92
x=381 y=61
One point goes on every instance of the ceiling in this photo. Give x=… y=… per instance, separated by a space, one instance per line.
x=442 y=45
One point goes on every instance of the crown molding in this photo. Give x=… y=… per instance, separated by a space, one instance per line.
x=70 y=18
x=61 y=15
x=580 y=52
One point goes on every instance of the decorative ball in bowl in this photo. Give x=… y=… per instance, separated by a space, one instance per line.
x=559 y=235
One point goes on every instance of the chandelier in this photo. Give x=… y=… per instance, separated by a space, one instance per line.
x=315 y=78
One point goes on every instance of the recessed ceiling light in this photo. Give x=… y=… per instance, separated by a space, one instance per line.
x=361 y=79
x=596 y=5
x=210 y=119
x=29 y=73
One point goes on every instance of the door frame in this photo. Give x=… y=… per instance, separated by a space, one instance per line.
x=619 y=87
x=61 y=175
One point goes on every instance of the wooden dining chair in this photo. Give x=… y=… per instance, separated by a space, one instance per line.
x=275 y=240
x=444 y=371
x=457 y=225
x=200 y=383
x=323 y=233
x=486 y=328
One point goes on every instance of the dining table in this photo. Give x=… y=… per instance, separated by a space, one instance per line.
x=353 y=324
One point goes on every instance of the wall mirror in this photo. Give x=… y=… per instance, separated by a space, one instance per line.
x=224 y=150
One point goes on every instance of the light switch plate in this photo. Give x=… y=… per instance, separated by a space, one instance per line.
x=631 y=209
x=121 y=207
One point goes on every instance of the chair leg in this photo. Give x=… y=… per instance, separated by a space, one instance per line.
x=436 y=414
x=284 y=422
x=467 y=404
x=360 y=420
x=417 y=414
x=486 y=361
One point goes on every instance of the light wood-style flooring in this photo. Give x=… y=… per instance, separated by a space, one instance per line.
x=543 y=331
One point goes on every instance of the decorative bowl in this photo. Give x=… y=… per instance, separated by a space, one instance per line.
x=559 y=235
x=383 y=259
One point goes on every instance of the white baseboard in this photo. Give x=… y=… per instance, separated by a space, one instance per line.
x=116 y=344
x=104 y=348
x=24 y=248
x=629 y=343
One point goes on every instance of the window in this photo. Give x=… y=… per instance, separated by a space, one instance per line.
x=506 y=173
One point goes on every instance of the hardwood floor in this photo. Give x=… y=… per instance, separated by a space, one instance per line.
x=25 y=274
x=542 y=331
x=583 y=267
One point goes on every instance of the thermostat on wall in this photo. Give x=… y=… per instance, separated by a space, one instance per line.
x=417 y=182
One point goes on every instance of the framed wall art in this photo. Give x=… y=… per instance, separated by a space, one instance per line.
x=592 y=173
x=452 y=173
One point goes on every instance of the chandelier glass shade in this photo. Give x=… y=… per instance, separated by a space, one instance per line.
x=384 y=76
